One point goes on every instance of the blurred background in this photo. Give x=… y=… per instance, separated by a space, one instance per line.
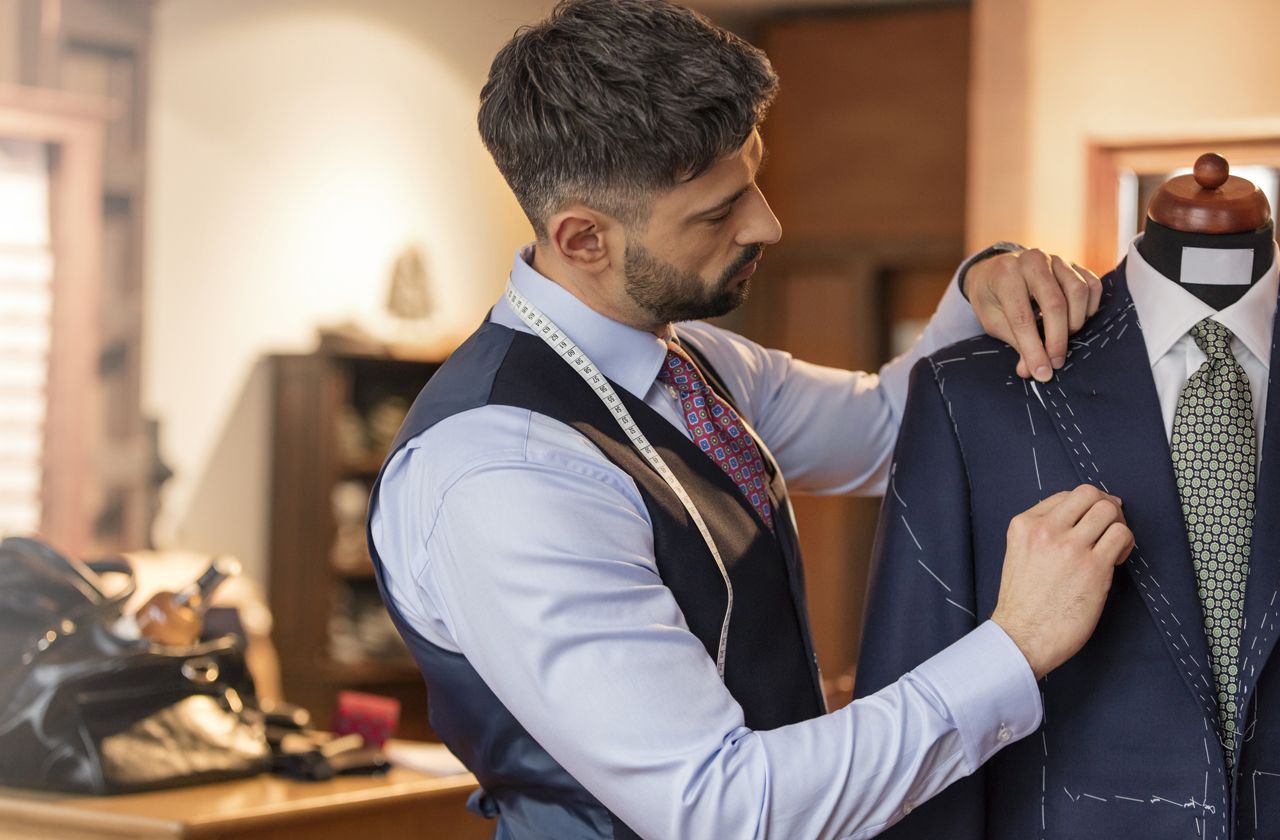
x=236 y=236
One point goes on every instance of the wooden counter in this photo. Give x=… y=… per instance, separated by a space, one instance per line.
x=402 y=803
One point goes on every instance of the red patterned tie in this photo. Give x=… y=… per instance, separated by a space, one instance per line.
x=717 y=429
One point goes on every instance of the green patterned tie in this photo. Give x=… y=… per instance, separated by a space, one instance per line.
x=1215 y=460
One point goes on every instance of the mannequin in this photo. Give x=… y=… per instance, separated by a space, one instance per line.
x=1194 y=216
x=1134 y=742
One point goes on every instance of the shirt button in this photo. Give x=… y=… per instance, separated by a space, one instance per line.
x=1003 y=734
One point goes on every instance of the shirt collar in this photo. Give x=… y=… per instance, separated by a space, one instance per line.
x=628 y=356
x=1167 y=311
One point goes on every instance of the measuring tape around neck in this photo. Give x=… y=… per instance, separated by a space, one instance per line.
x=546 y=329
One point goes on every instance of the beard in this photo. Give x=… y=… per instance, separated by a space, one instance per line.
x=670 y=294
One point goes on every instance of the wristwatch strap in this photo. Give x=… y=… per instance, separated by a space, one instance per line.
x=998 y=248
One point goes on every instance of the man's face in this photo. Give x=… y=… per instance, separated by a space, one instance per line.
x=703 y=241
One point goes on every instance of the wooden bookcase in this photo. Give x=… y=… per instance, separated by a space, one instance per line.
x=320 y=401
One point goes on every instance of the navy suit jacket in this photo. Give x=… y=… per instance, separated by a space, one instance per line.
x=1129 y=746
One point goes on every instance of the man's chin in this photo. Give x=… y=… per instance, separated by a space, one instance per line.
x=727 y=301
x=737 y=295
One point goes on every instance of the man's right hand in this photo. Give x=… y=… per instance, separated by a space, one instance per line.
x=1058 y=566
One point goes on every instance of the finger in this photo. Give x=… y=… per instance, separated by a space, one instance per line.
x=1078 y=502
x=1097 y=519
x=1046 y=506
x=1043 y=284
x=1115 y=545
x=1076 y=290
x=1022 y=369
x=1095 y=287
x=1025 y=337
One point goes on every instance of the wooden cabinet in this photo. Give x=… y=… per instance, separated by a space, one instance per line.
x=334 y=417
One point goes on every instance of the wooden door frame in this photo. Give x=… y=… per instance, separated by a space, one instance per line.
x=73 y=126
x=1108 y=160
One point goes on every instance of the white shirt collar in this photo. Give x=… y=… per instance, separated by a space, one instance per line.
x=1167 y=311
x=628 y=356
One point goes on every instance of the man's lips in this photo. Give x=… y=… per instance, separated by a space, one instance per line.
x=747 y=270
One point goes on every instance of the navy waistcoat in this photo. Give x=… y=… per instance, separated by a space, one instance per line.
x=770 y=667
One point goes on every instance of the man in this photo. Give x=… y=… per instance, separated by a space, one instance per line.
x=583 y=530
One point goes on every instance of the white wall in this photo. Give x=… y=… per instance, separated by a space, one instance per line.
x=296 y=146
x=1050 y=76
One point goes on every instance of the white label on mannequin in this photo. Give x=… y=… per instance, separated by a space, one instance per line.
x=1217 y=266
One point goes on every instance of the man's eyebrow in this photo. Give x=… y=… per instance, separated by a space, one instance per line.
x=724 y=205
x=731 y=200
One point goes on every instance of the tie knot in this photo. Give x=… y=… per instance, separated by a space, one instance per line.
x=1213 y=339
x=679 y=371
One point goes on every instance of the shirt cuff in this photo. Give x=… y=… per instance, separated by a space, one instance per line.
x=990 y=689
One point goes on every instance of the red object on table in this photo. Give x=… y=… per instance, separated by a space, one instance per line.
x=370 y=715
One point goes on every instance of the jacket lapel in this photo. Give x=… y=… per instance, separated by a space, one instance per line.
x=1262 y=604
x=1107 y=415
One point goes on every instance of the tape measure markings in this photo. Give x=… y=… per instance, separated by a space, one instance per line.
x=555 y=338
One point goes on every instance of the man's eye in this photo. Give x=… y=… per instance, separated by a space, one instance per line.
x=720 y=218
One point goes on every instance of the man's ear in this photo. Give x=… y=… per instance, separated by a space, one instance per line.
x=578 y=235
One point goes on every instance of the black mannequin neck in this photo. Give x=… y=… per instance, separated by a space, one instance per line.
x=1162 y=248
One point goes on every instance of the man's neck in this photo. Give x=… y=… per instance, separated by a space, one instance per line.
x=1175 y=254
x=586 y=288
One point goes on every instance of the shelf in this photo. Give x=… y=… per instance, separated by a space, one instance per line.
x=363 y=467
x=369 y=673
x=359 y=573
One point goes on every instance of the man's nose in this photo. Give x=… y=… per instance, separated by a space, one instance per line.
x=762 y=227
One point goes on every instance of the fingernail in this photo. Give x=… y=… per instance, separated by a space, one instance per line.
x=1059 y=362
x=1043 y=373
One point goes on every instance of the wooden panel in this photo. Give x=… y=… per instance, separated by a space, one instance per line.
x=866 y=172
x=299 y=600
x=838 y=582
x=867 y=137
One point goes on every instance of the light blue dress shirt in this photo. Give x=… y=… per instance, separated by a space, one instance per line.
x=508 y=537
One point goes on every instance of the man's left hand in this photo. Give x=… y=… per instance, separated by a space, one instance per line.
x=1002 y=288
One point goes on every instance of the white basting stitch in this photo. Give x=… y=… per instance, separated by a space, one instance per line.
x=909 y=531
x=931 y=572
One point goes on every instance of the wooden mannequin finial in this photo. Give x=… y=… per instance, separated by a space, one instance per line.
x=1211 y=171
x=1210 y=201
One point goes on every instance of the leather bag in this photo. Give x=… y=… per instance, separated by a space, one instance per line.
x=85 y=710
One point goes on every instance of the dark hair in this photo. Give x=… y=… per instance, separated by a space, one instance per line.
x=608 y=101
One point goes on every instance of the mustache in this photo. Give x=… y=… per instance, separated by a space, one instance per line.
x=749 y=255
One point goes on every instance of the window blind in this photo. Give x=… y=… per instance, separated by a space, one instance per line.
x=26 y=275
